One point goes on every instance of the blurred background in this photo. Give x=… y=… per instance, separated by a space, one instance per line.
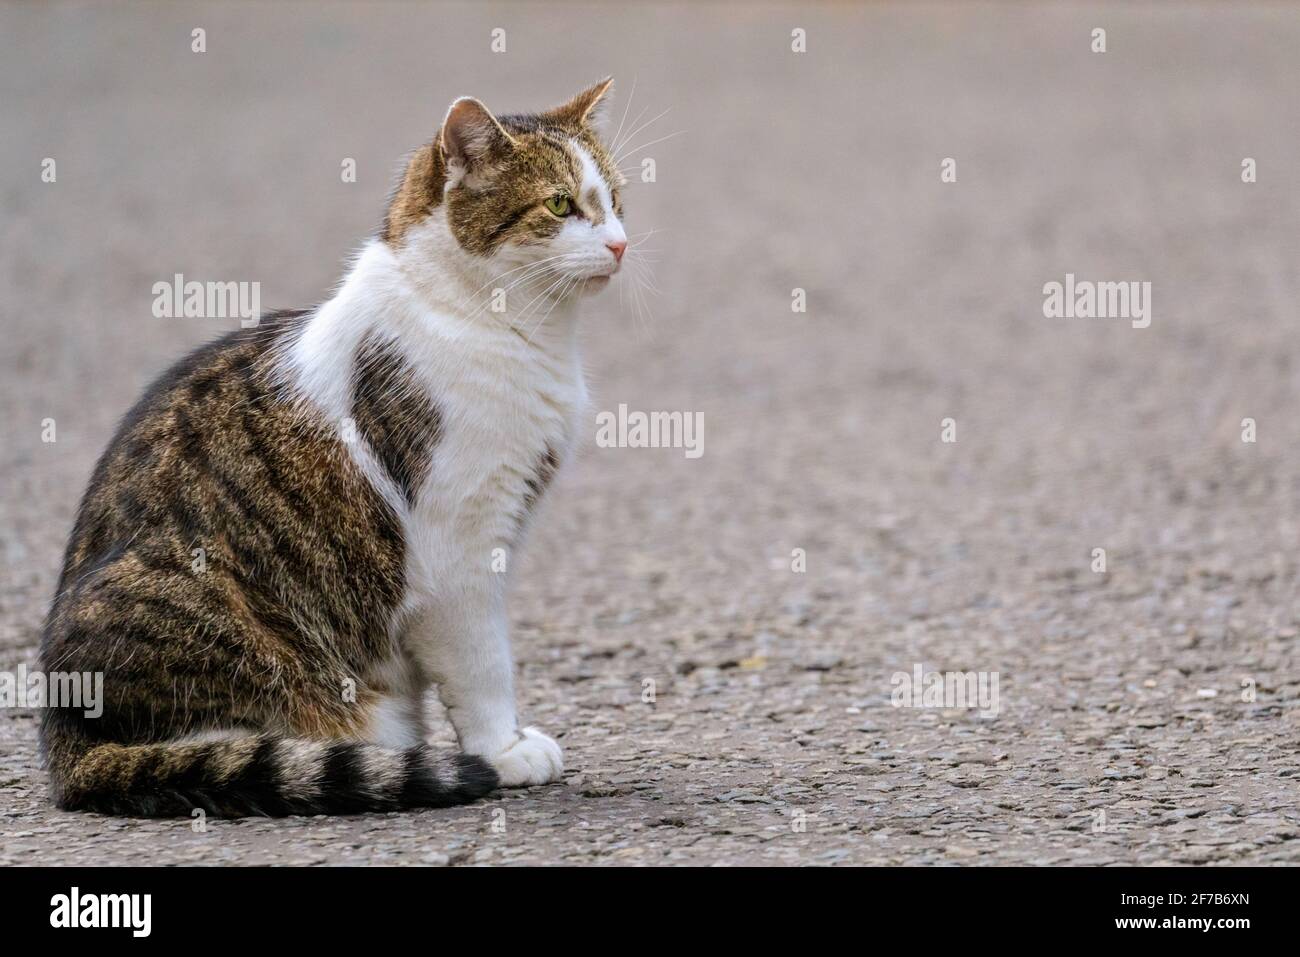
x=820 y=171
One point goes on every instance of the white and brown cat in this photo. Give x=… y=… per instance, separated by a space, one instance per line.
x=351 y=471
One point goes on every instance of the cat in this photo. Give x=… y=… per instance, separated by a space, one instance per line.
x=300 y=526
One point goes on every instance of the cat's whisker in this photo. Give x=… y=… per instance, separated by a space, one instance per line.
x=626 y=107
x=523 y=313
x=527 y=270
x=647 y=283
x=643 y=274
x=639 y=310
x=531 y=272
x=646 y=146
x=631 y=298
x=636 y=250
x=552 y=289
x=556 y=295
x=526 y=266
x=615 y=143
x=619 y=148
x=564 y=291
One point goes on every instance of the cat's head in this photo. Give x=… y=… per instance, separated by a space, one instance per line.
x=530 y=190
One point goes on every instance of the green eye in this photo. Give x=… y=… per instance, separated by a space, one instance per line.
x=559 y=205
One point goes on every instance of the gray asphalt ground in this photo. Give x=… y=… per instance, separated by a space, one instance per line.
x=1148 y=714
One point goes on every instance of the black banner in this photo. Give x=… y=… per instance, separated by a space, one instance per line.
x=335 y=905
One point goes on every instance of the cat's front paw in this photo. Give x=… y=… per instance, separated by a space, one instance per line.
x=532 y=759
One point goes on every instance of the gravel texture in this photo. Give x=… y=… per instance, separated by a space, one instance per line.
x=1147 y=714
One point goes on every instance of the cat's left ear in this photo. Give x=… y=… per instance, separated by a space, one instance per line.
x=586 y=109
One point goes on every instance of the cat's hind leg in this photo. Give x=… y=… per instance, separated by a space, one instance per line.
x=394 y=712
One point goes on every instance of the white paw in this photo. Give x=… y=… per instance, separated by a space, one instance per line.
x=532 y=759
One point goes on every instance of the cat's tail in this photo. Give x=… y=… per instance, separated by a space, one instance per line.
x=262 y=775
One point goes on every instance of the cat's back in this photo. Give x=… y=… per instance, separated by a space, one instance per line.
x=182 y=433
x=220 y=500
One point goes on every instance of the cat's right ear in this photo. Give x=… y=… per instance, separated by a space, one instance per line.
x=472 y=143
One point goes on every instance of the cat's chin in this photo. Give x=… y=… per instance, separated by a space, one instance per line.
x=588 y=286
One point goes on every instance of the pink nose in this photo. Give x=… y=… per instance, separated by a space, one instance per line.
x=617 y=248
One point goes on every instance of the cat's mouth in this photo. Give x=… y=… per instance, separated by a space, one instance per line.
x=609 y=274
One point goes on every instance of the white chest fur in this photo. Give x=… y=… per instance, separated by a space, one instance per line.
x=509 y=413
x=508 y=407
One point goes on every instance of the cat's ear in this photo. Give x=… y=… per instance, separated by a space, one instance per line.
x=586 y=109
x=472 y=142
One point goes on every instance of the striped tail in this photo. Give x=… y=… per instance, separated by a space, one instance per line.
x=262 y=775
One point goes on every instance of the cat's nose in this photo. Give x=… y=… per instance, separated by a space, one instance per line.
x=617 y=247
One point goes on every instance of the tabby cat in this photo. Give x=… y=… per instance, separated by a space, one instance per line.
x=301 y=526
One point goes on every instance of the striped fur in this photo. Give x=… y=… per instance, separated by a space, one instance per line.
x=296 y=545
x=265 y=775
